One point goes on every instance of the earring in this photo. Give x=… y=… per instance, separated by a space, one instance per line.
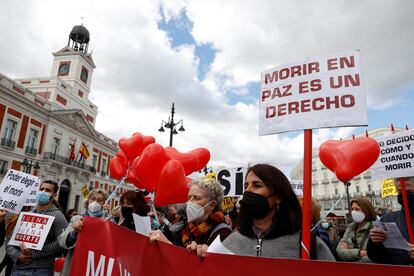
x=277 y=208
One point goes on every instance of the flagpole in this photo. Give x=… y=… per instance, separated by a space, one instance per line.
x=307 y=194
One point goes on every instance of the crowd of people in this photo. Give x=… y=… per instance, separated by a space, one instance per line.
x=268 y=224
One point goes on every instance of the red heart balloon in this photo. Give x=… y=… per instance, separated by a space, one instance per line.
x=203 y=156
x=122 y=157
x=133 y=146
x=149 y=166
x=132 y=177
x=349 y=158
x=189 y=160
x=173 y=185
x=116 y=168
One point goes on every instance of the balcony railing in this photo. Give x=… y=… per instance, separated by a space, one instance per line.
x=103 y=173
x=68 y=161
x=8 y=143
x=31 y=150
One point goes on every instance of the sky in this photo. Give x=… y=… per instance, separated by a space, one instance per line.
x=207 y=56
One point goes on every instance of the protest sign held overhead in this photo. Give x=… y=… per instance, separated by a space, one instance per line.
x=388 y=188
x=396 y=156
x=31 y=200
x=15 y=189
x=32 y=230
x=232 y=181
x=325 y=91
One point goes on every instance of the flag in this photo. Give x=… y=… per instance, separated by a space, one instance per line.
x=72 y=152
x=85 y=191
x=84 y=152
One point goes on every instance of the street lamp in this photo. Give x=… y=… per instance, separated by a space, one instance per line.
x=171 y=125
x=27 y=167
x=347 y=184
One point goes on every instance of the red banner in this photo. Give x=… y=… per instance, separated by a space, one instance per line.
x=104 y=248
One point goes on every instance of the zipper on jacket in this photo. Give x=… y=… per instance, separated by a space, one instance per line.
x=259 y=247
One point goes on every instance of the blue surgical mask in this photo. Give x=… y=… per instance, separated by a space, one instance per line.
x=43 y=197
x=325 y=225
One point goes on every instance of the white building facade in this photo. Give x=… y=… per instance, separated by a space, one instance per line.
x=47 y=120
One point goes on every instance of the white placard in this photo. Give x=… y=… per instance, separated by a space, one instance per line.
x=297 y=186
x=142 y=224
x=318 y=92
x=32 y=230
x=32 y=200
x=396 y=156
x=15 y=190
x=232 y=180
x=217 y=247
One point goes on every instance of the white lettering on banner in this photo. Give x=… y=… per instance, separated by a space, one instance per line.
x=100 y=267
x=324 y=91
x=396 y=156
x=232 y=181
x=15 y=189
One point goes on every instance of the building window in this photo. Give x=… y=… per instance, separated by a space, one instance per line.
x=369 y=187
x=3 y=167
x=55 y=146
x=357 y=189
x=94 y=160
x=325 y=175
x=336 y=191
x=103 y=171
x=32 y=141
x=10 y=129
x=77 y=199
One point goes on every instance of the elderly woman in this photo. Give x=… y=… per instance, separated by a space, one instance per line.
x=270 y=218
x=95 y=205
x=353 y=245
x=205 y=220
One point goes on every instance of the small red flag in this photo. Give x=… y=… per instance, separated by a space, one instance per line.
x=72 y=152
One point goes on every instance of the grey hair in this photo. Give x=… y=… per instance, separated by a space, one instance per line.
x=95 y=191
x=213 y=189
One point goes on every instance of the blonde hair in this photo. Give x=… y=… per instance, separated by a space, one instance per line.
x=213 y=189
x=93 y=192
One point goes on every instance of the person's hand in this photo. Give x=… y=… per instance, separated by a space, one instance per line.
x=24 y=259
x=199 y=249
x=377 y=235
x=106 y=207
x=3 y=213
x=411 y=252
x=344 y=245
x=25 y=250
x=77 y=226
x=362 y=253
x=157 y=235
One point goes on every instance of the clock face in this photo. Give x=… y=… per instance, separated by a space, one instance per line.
x=84 y=75
x=64 y=69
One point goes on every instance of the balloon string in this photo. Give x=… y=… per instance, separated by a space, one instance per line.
x=330 y=210
x=106 y=213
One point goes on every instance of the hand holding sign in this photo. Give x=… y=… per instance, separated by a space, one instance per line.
x=349 y=158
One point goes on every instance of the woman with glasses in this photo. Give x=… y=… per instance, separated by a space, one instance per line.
x=353 y=245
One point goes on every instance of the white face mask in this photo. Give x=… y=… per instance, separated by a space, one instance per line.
x=94 y=207
x=195 y=211
x=358 y=217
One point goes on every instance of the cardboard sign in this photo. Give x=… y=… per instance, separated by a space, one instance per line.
x=396 y=156
x=32 y=200
x=388 y=188
x=318 y=92
x=227 y=203
x=232 y=181
x=15 y=189
x=32 y=230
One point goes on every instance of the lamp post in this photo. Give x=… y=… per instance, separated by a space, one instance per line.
x=171 y=125
x=27 y=166
x=347 y=184
x=205 y=170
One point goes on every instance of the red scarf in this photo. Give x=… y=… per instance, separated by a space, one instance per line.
x=201 y=232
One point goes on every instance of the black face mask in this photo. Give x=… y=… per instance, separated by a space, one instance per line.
x=116 y=219
x=127 y=213
x=410 y=199
x=254 y=206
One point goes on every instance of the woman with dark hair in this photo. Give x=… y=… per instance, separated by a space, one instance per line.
x=132 y=202
x=353 y=245
x=270 y=218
